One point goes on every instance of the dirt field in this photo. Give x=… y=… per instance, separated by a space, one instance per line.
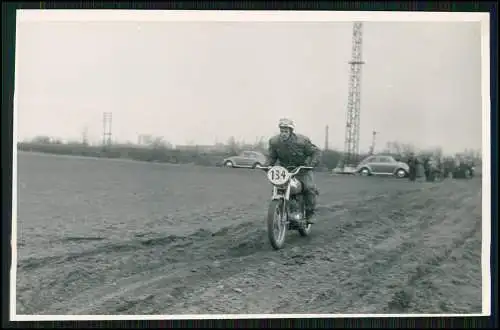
x=118 y=237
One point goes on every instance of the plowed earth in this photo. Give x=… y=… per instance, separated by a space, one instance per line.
x=116 y=237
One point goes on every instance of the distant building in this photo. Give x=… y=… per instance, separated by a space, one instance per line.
x=144 y=139
x=202 y=148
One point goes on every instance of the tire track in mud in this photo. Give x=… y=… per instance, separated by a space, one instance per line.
x=437 y=288
x=408 y=257
x=139 y=241
x=201 y=256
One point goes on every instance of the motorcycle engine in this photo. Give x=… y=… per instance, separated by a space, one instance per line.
x=295 y=186
x=295 y=213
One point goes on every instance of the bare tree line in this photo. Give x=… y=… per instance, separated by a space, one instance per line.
x=162 y=150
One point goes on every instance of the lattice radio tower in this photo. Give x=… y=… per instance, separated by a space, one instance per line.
x=107 y=118
x=351 y=144
x=85 y=136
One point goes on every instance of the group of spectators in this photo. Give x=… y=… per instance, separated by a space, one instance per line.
x=433 y=168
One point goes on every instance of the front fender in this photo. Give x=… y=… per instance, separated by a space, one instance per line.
x=407 y=170
x=362 y=167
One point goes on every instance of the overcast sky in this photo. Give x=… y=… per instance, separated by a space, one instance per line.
x=205 y=81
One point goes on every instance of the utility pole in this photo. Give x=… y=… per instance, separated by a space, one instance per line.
x=326 y=137
x=372 y=148
x=351 y=142
x=106 y=128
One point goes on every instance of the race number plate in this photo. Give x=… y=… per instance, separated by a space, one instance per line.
x=278 y=175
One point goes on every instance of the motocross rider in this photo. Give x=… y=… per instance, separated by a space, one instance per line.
x=292 y=150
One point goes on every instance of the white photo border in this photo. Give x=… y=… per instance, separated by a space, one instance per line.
x=24 y=15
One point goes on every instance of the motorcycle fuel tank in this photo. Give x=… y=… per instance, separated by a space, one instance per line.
x=295 y=186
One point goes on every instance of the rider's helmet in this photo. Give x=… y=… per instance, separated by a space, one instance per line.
x=288 y=123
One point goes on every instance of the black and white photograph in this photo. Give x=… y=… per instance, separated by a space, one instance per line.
x=187 y=164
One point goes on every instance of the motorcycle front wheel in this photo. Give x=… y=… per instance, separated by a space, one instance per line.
x=276 y=224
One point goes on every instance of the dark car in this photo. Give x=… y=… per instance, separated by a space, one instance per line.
x=458 y=168
x=247 y=159
x=463 y=169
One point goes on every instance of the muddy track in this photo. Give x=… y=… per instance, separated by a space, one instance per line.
x=381 y=246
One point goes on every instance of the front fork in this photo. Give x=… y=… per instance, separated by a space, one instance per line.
x=279 y=194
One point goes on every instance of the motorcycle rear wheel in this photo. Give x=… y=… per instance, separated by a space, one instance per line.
x=306 y=230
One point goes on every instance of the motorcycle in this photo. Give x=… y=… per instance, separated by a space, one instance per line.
x=286 y=210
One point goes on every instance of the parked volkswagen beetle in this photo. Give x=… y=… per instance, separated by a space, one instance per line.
x=382 y=165
x=247 y=159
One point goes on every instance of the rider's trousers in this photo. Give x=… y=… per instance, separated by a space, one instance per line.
x=310 y=190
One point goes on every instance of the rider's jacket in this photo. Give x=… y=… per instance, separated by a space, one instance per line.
x=298 y=150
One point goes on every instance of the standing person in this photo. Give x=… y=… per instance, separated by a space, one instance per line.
x=292 y=149
x=427 y=168
x=413 y=164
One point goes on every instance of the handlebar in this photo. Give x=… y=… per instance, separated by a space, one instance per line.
x=294 y=172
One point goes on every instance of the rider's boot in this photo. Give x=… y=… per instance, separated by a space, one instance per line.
x=310 y=216
x=310 y=206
